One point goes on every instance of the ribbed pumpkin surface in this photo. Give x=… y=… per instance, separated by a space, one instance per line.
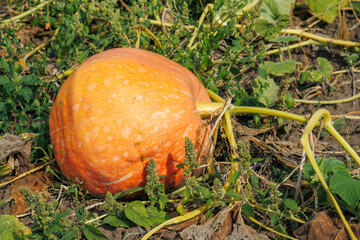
x=119 y=109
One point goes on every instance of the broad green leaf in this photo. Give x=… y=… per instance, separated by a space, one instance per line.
x=156 y=216
x=26 y=93
x=204 y=192
x=69 y=235
x=254 y=180
x=327 y=166
x=235 y=177
x=346 y=187
x=274 y=218
x=279 y=68
x=30 y=80
x=83 y=55
x=233 y=194
x=248 y=210
x=267 y=90
x=326 y=10
x=136 y=212
x=117 y=222
x=325 y=67
x=11 y=228
x=273 y=9
x=4 y=80
x=92 y=233
x=312 y=76
x=5 y=65
x=291 y=204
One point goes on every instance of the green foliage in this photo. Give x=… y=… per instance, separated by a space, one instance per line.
x=323 y=72
x=50 y=223
x=340 y=181
x=11 y=228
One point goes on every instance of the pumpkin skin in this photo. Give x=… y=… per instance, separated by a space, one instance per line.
x=119 y=109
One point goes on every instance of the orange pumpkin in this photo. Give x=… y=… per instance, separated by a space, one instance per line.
x=119 y=109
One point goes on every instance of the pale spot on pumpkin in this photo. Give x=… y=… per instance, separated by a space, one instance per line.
x=156 y=128
x=138 y=137
x=175 y=89
x=126 y=82
x=165 y=125
x=176 y=116
x=100 y=111
x=116 y=158
x=106 y=129
x=110 y=138
x=140 y=97
x=165 y=97
x=133 y=124
x=142 y=70
x=125 y=132
x=187 y=93
x=146 y=84
x=92 y=86
x=155 y=148
x=160 y=114
x=188 y=129
x=86 y=106
x=125 y=154
x=87 y=139
x=173 y=96
x=76 y=107
x=114 y=95
x=119 y=76
x=168 y=144
x=119 y=121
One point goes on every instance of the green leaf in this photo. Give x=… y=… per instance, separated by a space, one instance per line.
x=180 y=209
x=233 y=194
x=267 y=90
x=205 y=192
x=274 y=218
x=69 y=235
x=11 y=228
x=5 y=65
x=346 y=187
x=136 y=212
x=327 y=10
x=248 y=210
x=291 y=204
x=235 y=177
x=325 y=67
x=26 y=93
x=83 y=55
x=92 y=233
x=327 y=166
x=62 y=214
x=4 y=80
x=279 y=68
x=312 y=76
x=30 y=80
x=156 y=216
x=116 y=222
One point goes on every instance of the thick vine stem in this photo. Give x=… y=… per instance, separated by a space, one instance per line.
x=325 y=114
x=178 y=219
x=206 y=109
x=345 y=100
x=301 y=32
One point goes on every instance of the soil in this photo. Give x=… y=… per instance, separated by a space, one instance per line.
x=280 y=141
